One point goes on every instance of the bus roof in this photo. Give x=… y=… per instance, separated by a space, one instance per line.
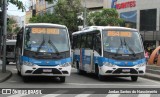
x=11 y=42
x=92 y=28
x=46 y=24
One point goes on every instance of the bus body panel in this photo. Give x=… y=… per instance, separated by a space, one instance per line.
x=90 y=58
x=31 y=66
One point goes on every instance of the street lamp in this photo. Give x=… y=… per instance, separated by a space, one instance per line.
x=4 y=34
x=84 y=15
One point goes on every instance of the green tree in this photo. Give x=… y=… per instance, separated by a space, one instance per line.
x=65 y=13
x=68 y=10
x=16 y=30
x=10 y=24
x=19 y=4
x=104 y=18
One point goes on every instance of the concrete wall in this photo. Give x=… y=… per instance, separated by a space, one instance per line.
x=92 y=3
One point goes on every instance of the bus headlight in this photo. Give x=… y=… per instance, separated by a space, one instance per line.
x=141 y=65
x=108 y=64
x=65 y=64
x=28 y=63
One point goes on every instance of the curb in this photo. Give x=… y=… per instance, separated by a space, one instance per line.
x=6 y=77
x=151 y=76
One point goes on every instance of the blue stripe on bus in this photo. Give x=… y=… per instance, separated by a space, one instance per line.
x=43 y=62
x=100 y=60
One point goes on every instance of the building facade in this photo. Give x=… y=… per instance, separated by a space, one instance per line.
x=143 y=15
x=28 y=16
x=40 y=7
x=43 y=7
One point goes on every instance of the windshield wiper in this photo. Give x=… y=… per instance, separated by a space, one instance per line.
x=129 y=47
x=51 y=43
x=42 y=43
x=119 y=46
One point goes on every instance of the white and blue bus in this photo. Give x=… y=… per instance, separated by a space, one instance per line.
x=109 y=51
x=43 y=49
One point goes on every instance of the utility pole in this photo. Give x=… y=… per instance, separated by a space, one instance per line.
x=84 y=15
x=4 y=34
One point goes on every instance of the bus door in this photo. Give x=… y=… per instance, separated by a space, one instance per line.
x=82 y=52
x=82 y=58
x=89 y=52
x=96 y=49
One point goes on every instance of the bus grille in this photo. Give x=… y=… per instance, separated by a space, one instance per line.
x=40 y=71
x=119 y=70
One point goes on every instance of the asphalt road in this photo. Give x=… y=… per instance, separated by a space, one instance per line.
x=80 y=85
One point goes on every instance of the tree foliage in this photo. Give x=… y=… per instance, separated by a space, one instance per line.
x=65 y=13
x=104 y=18
x=10 y=24
x=19 y=4
x=16 y=30
x=12 y=27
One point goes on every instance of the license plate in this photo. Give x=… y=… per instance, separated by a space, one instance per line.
x=125 y=70
x=47 y=70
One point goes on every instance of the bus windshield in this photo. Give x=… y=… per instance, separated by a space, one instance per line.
x=122 y=42
x=52 y=40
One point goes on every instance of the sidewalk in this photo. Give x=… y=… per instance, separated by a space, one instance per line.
x=5 y=76
x=152 y=72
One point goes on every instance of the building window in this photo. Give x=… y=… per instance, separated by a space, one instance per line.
x=130 y=19
x=148 y=20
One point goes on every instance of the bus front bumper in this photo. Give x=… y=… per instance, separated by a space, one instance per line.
x=45 y=70
x=122 y=71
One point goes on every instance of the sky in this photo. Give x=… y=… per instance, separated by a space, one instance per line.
x=13 y=10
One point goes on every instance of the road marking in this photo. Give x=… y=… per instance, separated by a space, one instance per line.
x=18 y=95
x=150 y=80
x=57 y=93
x=12 y=81
x=144 y=95
x=113 y=95
x=154 y=70
x=85 y=94
x=93 y=84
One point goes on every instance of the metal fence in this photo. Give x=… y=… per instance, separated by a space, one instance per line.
x=150 y=35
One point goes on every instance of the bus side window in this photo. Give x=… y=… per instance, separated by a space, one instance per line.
x=19 y=39
x=89 y=41
x=78 y=41
x=97 y=43
x=83 y=40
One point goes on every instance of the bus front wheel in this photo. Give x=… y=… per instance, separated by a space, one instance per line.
x=25 y=78
x=62 y=79
x=100 y=77
x=80 y=72
x=134 y=78
x=18 y=72
x=7 y=62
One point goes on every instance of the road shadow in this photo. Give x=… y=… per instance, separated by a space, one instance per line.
x=106 y=78
x=42 y=79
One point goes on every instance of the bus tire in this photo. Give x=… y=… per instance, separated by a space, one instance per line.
x=96 y=70
x=25 y=78
x=7 y=62
x=18 y=72
x=134 y=78
x=100 y=77
x=78 y=70
x=62 y=79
